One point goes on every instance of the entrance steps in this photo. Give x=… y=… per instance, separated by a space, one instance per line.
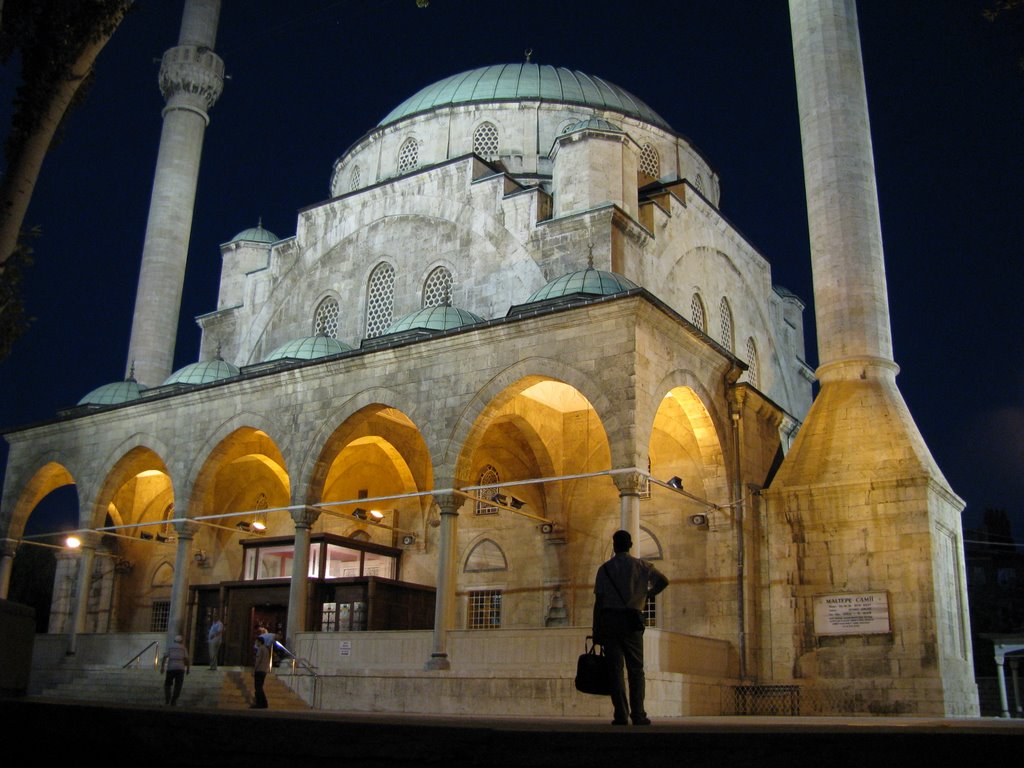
x=225 y=688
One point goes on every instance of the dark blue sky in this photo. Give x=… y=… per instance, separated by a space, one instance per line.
x=309 y=77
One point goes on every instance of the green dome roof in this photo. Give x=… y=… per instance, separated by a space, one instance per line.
x=525 y=82
x=114 y=394
x=434 y=319
x=203 y=372
x=308 y=348
x=255 y=234
x=589 y=280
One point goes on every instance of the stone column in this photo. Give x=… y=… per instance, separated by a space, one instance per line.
x=298 y=589
x=83 y=581
x=191 y=79
x=444 y=605
x=630 y=485
x=8 y=549
x=186 y=530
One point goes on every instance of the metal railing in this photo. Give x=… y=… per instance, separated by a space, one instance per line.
x=302 y=668
x=137 y=658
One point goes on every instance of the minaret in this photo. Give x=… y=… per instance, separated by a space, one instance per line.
x=859 y=506
x=191 y=79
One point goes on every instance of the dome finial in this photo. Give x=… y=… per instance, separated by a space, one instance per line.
x=590 y=256
x=528 y=53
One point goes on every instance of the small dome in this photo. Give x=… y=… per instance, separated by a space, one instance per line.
x=114 y=393
x=434 y=319
x=593 y=124
x=589 y=280
x=308 y=348
x=255 y=234
x=203 y=372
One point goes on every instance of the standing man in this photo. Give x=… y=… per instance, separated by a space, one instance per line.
x=260 y=669
x=214 y=637
x=622 y=587
x=177 y=664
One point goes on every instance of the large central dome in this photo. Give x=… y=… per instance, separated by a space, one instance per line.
x=518 y=82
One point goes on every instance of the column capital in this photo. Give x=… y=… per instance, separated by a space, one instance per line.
x=305 y=517
x=8 y=547
x=449 y=502
x=186 y=528
x=630 y=483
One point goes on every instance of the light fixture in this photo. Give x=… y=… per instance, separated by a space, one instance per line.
x=258 y=525
x=408 y=540
x=199 y=556
x=244 y=525
x=516 y=503
x=700 y=521
x=146 y=536
x=676 y=482
x=369 y=516
x=508 y=501
x=547 y=528
x=72 y=542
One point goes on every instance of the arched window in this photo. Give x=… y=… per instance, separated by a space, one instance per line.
x=437 y=289
x=650 y=163
x=355 y=179
x=485 y=141
x=697 y=315
x=486 y=556
x=753 y=372
x=489 y=476
x=325 y=320
x=649 y=548
x=408 y=156
x=725 y=319
x=380 y=300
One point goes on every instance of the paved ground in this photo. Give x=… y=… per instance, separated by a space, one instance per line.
x=157 y=736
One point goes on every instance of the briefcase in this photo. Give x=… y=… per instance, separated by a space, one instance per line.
x=593 y=671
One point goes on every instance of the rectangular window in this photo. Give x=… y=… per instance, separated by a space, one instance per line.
x=484 y=609
x=161 y=613
x=650 y=613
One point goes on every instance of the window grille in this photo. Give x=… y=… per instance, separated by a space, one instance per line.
x=380 y=300
x=488 y=477
x=651 y=612
x=697 y=315
x=753 y=374
x=356 y=179
x=437 y=290
x=485 y=141
x=160 y=615
x=725 y=315
x=408 y=156
x=325 y=321
x=484 y=609
x=650 y=162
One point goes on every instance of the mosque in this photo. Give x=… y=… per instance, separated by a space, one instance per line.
x=519 y=323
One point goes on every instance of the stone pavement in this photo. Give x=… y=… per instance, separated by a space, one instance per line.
x=156 y=736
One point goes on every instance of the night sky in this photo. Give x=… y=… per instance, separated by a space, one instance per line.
x=308 y=78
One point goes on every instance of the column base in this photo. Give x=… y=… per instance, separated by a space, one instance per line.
x=438 y=661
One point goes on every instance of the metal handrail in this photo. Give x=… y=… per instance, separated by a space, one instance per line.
x=138 y=656
x=305 y=666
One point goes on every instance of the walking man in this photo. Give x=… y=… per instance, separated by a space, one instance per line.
x=622 y=587
x=177 y=663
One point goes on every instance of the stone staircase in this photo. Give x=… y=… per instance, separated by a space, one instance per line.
x=225 y=688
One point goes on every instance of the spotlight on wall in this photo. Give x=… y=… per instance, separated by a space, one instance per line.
x=72 y=542
x=369 y=516
x=676 y=482
x=547 y=528
x=244 y=525
x=259 y=524
x=200 y=557
x=508 y=501
x=162 y=539
x=700 y=521
x=408 y=539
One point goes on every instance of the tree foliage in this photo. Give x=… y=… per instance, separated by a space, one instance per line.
x=54 y=43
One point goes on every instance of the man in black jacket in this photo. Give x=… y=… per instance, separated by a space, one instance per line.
x=622 y=587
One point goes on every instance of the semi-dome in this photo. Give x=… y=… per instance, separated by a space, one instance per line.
x=203 y=372
x=434 y=319
x=308 y=348
x=525 y=82
x=255 y=234
x=114 y=393
x=593 y=124
x=589 y=281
